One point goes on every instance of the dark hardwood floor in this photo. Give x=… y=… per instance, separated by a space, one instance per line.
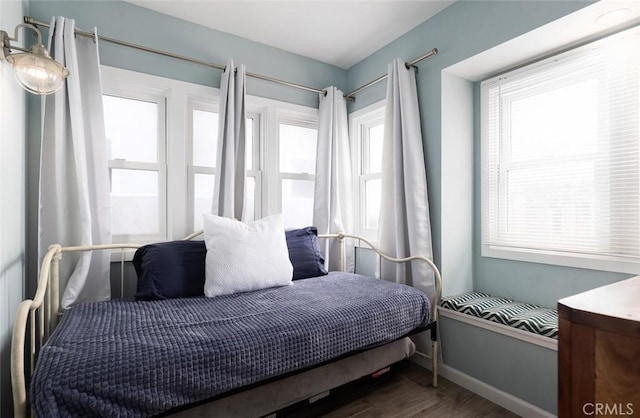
x=404 y=393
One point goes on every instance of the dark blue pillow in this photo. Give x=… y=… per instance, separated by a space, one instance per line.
x=173 y=269
x=304 y=253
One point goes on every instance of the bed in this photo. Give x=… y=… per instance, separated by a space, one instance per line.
x=241 y=354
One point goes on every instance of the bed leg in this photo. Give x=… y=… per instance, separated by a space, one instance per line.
x=434 y=362
x=434 y=353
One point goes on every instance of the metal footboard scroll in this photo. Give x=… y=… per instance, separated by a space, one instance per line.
x=37 y=318
x=37 y=312
x=433 y=318
x=40 y=315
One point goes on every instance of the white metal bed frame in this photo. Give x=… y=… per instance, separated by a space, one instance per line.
x=41 y=313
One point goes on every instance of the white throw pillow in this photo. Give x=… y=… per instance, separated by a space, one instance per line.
x=245 y=256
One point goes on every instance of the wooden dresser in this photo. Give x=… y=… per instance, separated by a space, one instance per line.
x=599 y=352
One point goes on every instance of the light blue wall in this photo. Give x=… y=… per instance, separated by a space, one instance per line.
x=536 y=283
x=127 y=22
x=463 y=30
x=13 y=207
x=519 y=368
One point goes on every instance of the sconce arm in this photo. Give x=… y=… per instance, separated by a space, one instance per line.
x=27 y=26
x=5 y=40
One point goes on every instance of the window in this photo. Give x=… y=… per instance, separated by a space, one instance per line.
x=162 y=137
x=204 y=149
x=367 y=131
x=136 y=148
x=297 y=168
x=203 y=132
x=561 y=159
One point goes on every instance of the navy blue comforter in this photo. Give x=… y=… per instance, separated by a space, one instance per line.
x=133 y=358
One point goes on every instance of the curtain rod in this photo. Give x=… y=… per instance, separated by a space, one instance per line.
x=351 y=95
x=348 y=96
x=33 y=21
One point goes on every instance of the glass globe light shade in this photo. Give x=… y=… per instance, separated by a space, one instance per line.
x=37 y=72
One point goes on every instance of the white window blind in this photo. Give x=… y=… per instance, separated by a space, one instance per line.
x=561 y=158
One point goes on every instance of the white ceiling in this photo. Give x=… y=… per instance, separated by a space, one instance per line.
x=338 y=32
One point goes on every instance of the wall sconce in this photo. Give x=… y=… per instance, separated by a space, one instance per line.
x=34 y=68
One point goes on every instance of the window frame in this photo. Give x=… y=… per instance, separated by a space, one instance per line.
x=257 y=115
x=360 y=122
x=192 y=169
x=180 y=97
x=297 y=120
x=492 y=249
x=254 y=113
x=128 y=89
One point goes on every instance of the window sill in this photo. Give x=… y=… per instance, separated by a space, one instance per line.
x=590 y=262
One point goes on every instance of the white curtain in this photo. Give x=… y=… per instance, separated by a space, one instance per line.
x=74 y=201
x=405 y=226
x=229 y=189
x=333 y=205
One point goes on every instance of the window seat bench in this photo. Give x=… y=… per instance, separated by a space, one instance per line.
x=502 y=349
x=507 y=312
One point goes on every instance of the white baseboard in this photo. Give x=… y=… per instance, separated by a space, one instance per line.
x=497 y=396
